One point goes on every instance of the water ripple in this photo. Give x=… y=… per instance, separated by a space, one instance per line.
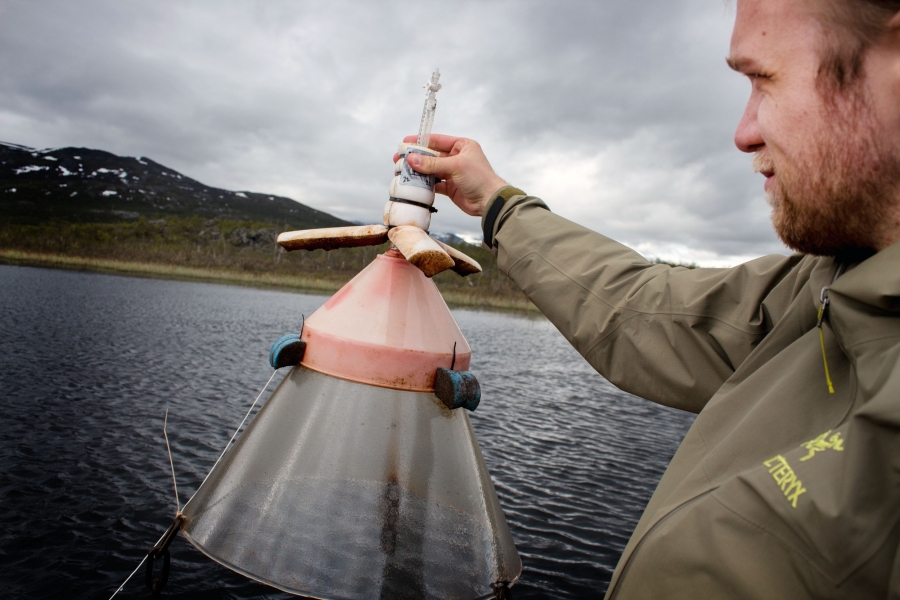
x=90 y=362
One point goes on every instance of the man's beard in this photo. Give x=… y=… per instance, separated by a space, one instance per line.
x=837 y=198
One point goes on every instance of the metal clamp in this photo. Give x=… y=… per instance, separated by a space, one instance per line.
x=161 y=550
x=457 y=389
x=287 y=351
x=501 y=591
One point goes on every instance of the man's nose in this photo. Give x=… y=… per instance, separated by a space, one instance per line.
x=747 y=136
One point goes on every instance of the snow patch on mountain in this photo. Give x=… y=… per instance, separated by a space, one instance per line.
x=30 y=169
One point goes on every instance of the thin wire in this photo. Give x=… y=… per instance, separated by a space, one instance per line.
x=171 y=464
x=235 y=435
x=143 y=560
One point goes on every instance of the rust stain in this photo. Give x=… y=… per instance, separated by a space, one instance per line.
x=390 y=515
x=401 y=382
x=432 y=262
x=409 y=382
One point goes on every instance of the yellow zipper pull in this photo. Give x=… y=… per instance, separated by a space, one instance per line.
x=822 y=310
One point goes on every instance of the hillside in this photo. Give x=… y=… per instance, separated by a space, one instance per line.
x=80 y=185
x=77 y=208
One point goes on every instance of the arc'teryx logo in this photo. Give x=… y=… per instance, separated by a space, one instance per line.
x=823 y=443
x=786 y=478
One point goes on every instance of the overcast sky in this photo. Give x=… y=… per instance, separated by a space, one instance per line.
x=620 y=115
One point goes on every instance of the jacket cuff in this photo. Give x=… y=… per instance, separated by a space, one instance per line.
x=493 y=207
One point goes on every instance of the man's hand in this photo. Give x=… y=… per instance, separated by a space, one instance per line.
x=466 y=175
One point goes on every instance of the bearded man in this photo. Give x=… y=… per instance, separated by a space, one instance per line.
x=788 y=483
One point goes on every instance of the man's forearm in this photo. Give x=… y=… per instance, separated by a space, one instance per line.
x=671 y=335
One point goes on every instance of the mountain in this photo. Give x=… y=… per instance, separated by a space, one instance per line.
x=81 y=185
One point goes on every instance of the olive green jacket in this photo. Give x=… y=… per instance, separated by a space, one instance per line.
x=780 y=489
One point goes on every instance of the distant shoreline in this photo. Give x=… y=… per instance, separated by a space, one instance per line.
x=296 y=283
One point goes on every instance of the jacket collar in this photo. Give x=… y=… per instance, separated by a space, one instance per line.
x=865 y=303
x=875 y=282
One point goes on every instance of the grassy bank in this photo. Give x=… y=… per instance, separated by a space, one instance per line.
x=232 y=252
x=165 y=271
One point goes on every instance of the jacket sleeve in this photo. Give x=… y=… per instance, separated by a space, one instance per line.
x=671 y=335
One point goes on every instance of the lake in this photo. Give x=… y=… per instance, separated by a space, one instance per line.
x=89 y=363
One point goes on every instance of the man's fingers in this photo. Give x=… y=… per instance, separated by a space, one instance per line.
x=437 y=141
x=423 y=164
x=443 y=143
x=443 y=167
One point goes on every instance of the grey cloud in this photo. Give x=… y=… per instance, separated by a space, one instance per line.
x=309 y=99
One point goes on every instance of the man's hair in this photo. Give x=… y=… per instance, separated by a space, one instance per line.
x=850 y=28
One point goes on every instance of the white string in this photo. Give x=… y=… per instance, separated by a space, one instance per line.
x=136 y=569
x=171 y=464
x=143 y=560
x=234 y=436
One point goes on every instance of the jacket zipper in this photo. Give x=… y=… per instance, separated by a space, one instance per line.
x=823 y=309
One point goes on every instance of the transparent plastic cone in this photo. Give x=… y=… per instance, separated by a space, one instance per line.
x=344 y=490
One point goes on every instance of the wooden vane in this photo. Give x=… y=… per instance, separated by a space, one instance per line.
x=407 y=214
x=431 y=256
x=330 y=238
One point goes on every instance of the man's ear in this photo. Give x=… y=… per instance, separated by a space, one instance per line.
x=891 y=40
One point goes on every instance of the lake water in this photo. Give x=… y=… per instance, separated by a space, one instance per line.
x=89 y=363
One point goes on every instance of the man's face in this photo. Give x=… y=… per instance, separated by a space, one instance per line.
x=831 y=159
